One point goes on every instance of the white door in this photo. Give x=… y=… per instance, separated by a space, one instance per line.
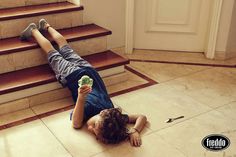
x=177 y=25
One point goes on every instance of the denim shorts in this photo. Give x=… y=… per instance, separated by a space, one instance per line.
x=64 y=62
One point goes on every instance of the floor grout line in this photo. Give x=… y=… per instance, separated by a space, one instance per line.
x=221 y=106
x=52 y=133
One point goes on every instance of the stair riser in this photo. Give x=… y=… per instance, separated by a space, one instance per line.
x=49 y=96
x=34 y=100
x=35 y=57
x=12 y=28
x=18 y=3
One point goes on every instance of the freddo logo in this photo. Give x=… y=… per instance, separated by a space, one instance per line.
x=215 y=142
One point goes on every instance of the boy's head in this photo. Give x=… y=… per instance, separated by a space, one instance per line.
x=109 y=125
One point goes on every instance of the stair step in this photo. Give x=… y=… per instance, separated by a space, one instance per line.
x=18 y=3
x=42 y=98
x=85 y=40
x=109 y=76
x=43 y=9
x=35 y=76
x=36 y=57
x=12 y=45
x=59 y=15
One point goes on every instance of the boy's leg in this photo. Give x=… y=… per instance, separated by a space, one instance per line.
x=42 y=41
x=60 y=66
x=65 y=49
x=32 y=30
x=57 y=37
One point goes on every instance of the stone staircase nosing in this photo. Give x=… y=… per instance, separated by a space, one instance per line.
x=24 y=81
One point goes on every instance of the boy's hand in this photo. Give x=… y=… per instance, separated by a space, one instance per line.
x=135 y=139
x=84 y=90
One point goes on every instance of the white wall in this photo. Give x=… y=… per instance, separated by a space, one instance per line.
x=224 y=27
x=231 y=44
x=109 y=14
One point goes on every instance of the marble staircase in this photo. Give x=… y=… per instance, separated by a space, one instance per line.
x=25 y=75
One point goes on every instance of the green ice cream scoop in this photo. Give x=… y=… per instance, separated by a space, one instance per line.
x=85 y=80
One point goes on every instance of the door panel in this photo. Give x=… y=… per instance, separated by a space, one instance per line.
x=179 y=25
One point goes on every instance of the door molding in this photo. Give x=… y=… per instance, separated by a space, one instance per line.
x=212 y=33
x=213 y=29
x=129 y=31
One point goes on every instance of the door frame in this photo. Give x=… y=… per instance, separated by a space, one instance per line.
x=212 y=33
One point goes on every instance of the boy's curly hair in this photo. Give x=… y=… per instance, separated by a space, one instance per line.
x=113 y=129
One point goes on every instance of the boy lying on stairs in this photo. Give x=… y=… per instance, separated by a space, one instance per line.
x=93 y=105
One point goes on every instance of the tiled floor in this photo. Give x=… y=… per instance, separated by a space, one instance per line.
x=205 y=95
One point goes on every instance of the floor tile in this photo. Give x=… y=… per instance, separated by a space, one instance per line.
x=30 y=139
x=80 y=143
x=229 y=74
x=209 y=87
x=152 y=146
x=164 y=72
x=158 y=103
x=187 y=136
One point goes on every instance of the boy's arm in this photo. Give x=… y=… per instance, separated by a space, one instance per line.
x=78 y=113
x=139 y=123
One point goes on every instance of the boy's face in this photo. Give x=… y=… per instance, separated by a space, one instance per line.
x=94 y=124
